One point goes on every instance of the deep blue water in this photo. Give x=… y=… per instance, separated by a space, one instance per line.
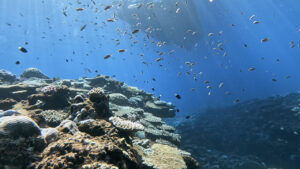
x=53 y=37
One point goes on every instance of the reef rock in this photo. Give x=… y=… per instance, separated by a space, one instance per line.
x=50 y=97
x=83 y=151
x=100 y=101
x=160 y=110
x=18 y=126
x=162 y=157
x=118 y=98
x=53 y=117
x=9 y=113
x=7 y=103
x=68 y=126
x=126 y=124
x=33 y=73
x=49 y=134
x=6 y=76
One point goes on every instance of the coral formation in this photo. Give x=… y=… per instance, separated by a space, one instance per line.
x=52 y=117
x=118 y=98
x=18 y=126
x=7 y=103
x=50 y=97
x=100 y=101
x=6 y=76
x=162 y=157
x=33 y=73
x=88 y=133
x=125 y=124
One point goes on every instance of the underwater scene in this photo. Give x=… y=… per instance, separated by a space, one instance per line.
x=149 y=84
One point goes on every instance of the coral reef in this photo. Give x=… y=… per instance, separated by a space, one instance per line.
x=33 y=73
x=87 y=123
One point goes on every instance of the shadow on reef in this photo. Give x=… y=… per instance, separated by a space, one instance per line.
x=89 y=123
x=261 y=132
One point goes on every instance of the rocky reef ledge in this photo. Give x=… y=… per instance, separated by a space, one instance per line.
x=86 y=123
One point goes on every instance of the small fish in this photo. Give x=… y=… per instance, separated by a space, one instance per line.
x=245 y=45
x=22 y=49
x=288 y=76
x=25 y=43
x=210 y=34
x=251 y=17
x=139 y=6
x=153 y=79
x=158 y=59
x=251 y=69
x=236 y=100
x=160 y=53
x=110 y=20
x=265 y=40
x=256 y=22
x=122 y=50
x=187 y=117
x=177 y=96
x=177 y=10
x=135 y=31
x=107 y=7
x=17 y=62
x=206 y=82
x=172 y=51
x=83 y=27
x=107 y=56
x=274 y=80
x=221 y=84
x=292 y=44
x=79 y=9
x=152 y=88
x=227 y=93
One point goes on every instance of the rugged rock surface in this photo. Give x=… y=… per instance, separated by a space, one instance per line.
x=85 y=123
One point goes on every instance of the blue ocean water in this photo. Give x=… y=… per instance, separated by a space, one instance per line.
x=58 y=47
